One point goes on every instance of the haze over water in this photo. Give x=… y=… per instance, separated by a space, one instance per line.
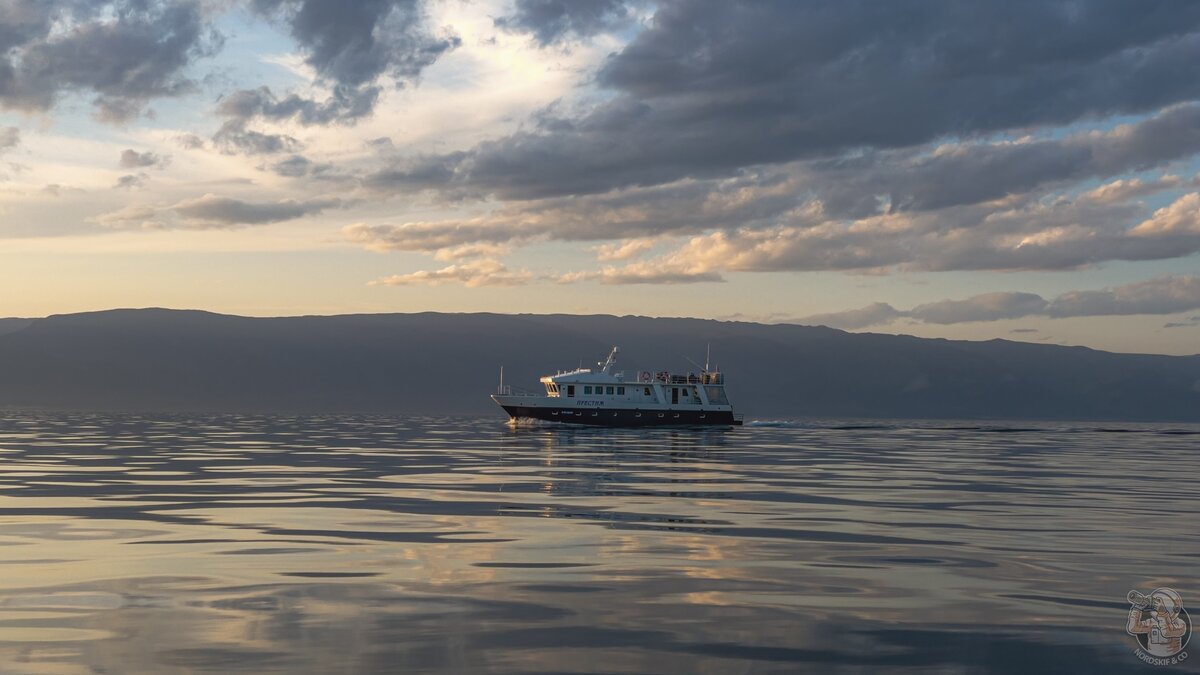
x=372 y=544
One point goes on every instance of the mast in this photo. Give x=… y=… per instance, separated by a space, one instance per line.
x=610 y=361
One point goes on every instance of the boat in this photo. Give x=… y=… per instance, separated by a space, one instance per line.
x=602 y=397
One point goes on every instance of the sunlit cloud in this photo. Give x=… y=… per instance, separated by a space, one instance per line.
x=1158 y=296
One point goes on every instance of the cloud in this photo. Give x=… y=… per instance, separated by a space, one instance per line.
x=132 y=159
x=680 y=208
x=1190 y=322
x=630 y=248
x=131 y=181
x=491 y=272
x=10 y=137
x=354 y=43
x=710 y=87
x=125 y=52
x=871 y=315
x=1158 y=296
x=551 y=21
x=972 y=172
x=639 y=273
x=214 y=212
x=233 y=137
x=970 y=205
x=297 y=166
x=1180 y=217
x=1053 y=234
x=986 y=307
x=190 y=141
x=350 y=45
x=473 y=274
x=1163 y=295
x=346 y=104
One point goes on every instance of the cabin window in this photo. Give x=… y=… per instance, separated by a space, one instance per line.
x=620 y=391
x=647 y=391
x=587 y=390
x=570 y=391
x=608 y=390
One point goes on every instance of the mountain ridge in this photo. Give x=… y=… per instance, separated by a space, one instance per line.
x=166 y=360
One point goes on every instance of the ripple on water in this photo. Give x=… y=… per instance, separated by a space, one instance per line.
x=249 y=543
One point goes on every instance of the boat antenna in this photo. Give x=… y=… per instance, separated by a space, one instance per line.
x=690 y=361
x=707 y=355
x=501 y=390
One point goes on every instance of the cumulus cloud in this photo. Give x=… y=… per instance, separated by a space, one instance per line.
x=354 y=43
x=233 y=138
x=132 y=159
x=297 y=166
x=1181 y=217
x=1158 y=296
x=125 y=52
x=350 y=45
x=214 y=212
x=550 y=21
x=630 y=248
x=132 y=181
x=346 y=104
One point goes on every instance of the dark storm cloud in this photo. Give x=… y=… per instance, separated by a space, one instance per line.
x=126 y=52
x=1158 y=296
x=712 y=86
x=550 y=21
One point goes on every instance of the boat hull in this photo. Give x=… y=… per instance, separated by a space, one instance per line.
x=625 y=417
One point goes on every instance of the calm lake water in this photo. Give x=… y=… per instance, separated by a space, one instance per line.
x=368 y=544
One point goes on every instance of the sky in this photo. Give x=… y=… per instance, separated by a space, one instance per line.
x=1017 y=169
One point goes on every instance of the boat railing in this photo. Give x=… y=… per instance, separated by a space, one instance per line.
x=670 y=378
x=509 y=390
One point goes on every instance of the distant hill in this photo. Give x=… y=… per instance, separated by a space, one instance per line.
x=13 y=325
x=155 y=360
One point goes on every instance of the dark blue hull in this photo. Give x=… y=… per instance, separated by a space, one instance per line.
x=626 y=417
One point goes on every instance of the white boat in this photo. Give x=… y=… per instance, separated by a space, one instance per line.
x=602 y=397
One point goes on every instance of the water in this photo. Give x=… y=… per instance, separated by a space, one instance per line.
x=364 y=544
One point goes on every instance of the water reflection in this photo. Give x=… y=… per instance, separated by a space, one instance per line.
x=358 y=544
